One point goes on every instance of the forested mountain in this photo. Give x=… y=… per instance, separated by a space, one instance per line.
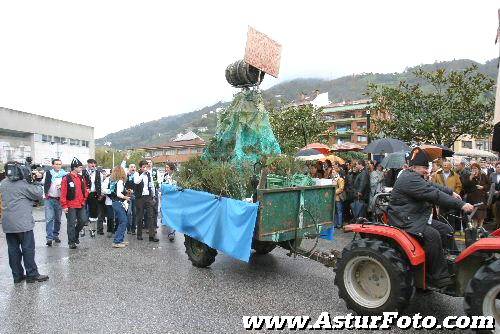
x=346 y=88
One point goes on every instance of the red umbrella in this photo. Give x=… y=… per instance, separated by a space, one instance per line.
x=325 y=149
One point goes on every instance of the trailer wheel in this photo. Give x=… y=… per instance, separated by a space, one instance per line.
x=263 y=247
x=199 y=253
x=482 y=295
x=372 y=277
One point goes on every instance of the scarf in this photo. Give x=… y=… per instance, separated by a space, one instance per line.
x=58 y=175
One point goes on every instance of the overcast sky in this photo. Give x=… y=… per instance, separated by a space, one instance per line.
x=113 y=64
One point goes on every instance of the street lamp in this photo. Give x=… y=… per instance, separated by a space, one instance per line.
x=108 y=143
x=368 y=116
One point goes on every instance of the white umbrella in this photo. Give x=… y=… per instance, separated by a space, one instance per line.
x=467 y=152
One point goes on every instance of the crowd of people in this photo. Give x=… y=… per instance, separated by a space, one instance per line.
x=358 y=181
x=126 y=199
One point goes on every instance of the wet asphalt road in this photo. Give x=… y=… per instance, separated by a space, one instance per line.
x=153 y=288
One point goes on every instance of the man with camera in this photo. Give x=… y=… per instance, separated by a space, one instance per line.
x=19 y=190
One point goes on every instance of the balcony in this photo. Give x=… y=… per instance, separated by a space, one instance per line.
x=348 y=119
x=343 y=131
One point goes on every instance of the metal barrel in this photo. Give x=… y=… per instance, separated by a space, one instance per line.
x=240 y=74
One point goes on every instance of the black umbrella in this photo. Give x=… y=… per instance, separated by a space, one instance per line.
x=386 y=145
x=394 y=160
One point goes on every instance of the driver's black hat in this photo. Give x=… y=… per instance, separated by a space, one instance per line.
x=419 y=157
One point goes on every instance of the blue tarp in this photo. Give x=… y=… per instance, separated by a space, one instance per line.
x=222 y=223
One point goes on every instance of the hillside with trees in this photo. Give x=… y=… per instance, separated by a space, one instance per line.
x=352 y=87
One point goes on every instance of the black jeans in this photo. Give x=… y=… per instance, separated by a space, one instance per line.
x=76 y=219
x=435 y=236
x=102 y=213
x=144 y=209
x=21 y=246
x=110 y=226
x=93 y=205
x=496 y=207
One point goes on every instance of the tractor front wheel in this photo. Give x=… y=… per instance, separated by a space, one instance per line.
x=482 y=295
x=200 y=254
x=372 y=277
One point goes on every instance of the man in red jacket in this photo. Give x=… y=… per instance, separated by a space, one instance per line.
x=74 y=193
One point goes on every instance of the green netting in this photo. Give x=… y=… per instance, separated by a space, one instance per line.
x=301 y=180
x=296 y=180
x=276 y=181
x=244 y=133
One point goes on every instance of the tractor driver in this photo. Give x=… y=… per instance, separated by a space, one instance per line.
x=410 y=208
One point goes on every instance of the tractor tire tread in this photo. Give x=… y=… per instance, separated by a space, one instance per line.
x=483 y=280
x=208 y=256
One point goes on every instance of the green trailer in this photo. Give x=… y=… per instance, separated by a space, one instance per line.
x=286 y=217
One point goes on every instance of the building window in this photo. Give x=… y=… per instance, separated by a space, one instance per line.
x=200 y=150
x=57 y=140
x=184 y=151
x=362 y=138
x=46 y=139
x=466 y=144
x=361 y=125
x=37 y=137
x=63 y=140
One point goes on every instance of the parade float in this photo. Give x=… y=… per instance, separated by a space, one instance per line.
x=242 y=194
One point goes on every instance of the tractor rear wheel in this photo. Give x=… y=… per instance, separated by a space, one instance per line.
x=372 y=277
x=482 y=295
x=200 y=254
x=263 y=247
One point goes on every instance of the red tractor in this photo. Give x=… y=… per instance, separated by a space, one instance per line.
x=382 y=267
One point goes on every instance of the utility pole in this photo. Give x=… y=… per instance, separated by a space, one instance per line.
x=495 y=145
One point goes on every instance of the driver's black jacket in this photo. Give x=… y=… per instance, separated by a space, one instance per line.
x=412 y=197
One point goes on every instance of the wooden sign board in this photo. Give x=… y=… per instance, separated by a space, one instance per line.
x=263 y=52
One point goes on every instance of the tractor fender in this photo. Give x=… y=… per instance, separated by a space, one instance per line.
x=408 y=244
x=495 y=233
x=485 y=244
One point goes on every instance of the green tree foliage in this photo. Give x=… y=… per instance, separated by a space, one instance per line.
x=295 y=127
x=351 y=155
x=216 y=177
x=453 y=104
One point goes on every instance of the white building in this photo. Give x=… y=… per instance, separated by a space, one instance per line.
x=43 y=138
